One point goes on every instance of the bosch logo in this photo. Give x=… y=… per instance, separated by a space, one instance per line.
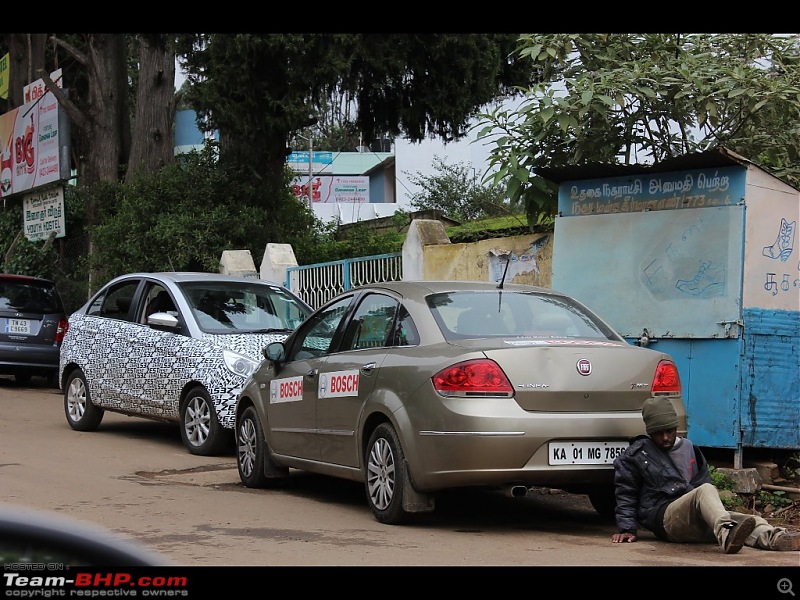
x=584 y=366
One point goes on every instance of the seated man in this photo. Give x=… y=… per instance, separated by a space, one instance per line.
x=663 y=484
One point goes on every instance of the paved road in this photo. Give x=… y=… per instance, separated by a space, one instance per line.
x=133 y=477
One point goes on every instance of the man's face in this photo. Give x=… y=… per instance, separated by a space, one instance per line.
x=665 y=438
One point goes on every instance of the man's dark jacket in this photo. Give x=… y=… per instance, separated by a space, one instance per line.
x=646 y=481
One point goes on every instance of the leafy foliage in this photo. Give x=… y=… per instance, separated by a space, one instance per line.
x=38 y=258
x=628 y=98
x=153 y=224
x=258 y=90
x=457 y=193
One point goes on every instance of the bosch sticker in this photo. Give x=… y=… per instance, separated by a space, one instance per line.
x=338 y=384
x=286 y=390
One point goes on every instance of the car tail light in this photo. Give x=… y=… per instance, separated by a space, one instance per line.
x=480 y=377
x=63 y=325
x=666 y=378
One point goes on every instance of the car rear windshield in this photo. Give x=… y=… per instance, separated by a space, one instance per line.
x=29 y=296
x=471 y=314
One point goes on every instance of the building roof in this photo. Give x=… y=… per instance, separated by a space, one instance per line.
x=718 y=157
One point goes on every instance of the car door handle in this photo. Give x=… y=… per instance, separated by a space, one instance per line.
x=368 y=368
x=312 y=373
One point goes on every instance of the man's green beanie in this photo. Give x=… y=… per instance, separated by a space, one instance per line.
x=659 y=414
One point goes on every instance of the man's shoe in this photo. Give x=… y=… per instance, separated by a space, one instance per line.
x=787 y=541
x=737 y=534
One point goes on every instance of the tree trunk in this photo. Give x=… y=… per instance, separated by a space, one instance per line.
x=153 y=138
x=107 y=135
x=26 y=57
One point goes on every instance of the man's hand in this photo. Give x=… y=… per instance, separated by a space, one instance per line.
x=623 y=537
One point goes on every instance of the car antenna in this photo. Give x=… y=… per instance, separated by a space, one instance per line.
x=508 y=262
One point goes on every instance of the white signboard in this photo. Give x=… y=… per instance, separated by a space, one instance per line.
x=333 y=189
x=37 y=89
x=43 y=213
x=30 y=145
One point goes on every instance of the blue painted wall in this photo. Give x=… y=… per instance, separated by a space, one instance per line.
x=707 y=261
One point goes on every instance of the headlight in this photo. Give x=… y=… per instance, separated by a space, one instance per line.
x=241 y=365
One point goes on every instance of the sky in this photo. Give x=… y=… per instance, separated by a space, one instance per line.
x=412 y=159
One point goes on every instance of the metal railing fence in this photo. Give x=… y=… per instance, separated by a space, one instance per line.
x=318 y=283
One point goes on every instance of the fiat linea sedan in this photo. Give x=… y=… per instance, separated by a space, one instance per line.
x=417 y=387
x=174 y=347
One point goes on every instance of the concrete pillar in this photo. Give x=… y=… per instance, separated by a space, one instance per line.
x=238 y=262
x=421 y=233
x=277 y=259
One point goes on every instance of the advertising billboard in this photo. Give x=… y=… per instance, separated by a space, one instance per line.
x=34 y=146
x=332 y=189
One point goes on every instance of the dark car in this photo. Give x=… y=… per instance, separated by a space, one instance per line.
x=32 y=326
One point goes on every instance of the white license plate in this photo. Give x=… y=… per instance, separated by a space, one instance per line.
x=18 y=326
x=585 y=453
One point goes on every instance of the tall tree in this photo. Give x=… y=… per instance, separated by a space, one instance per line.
x=626 y=98
x=153 y=139
x=257 y=90
x=26 y=52
x=100 y=122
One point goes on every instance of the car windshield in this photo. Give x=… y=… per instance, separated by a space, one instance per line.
x=474 y=314
x=29 y=296
x=227 y=307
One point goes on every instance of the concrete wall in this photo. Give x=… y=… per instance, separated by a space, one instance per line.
x=428 y=254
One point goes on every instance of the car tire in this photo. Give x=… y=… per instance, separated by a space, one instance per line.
x=200 y=429
x=81 y=413
x=252 y=452
x=604 y=501
x=385 y=476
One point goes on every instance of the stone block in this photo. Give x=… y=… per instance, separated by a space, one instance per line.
x=745 y=481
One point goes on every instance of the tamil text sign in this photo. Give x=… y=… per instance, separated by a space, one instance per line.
x=43 y=214
x=702 y=188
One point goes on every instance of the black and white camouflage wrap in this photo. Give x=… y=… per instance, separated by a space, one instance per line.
x=124 y=374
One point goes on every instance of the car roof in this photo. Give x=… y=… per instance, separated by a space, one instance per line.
x=28 y=278
x=423 y=288
x=183 y=276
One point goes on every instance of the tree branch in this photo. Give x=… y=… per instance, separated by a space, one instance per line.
x=77 y=117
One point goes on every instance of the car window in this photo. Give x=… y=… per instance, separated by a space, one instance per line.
x=315 y=337
x=29 y=296
x=371 y=324
x=235 y=307
x=157 y=299
x=116 y=302
x=405 y=331
x=504 y=313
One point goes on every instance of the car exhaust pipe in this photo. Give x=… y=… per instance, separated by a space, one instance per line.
x=515 y=490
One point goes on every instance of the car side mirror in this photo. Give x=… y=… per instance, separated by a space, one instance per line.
x=162 y=319
x=276 y=352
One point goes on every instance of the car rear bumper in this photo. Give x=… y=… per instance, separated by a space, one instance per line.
x=502 y=451
x=30 y=357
